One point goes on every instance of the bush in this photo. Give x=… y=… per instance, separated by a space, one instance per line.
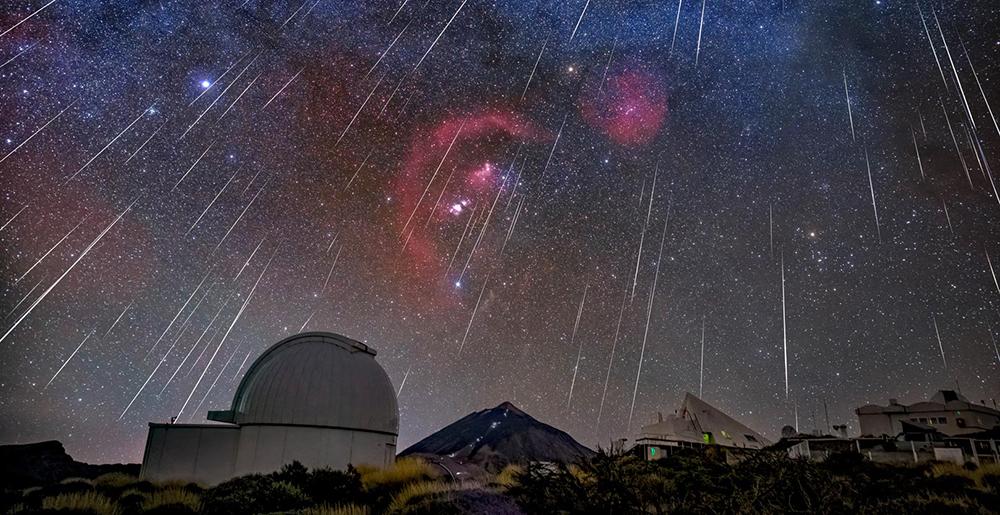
x=334 y=487
x=257 y=493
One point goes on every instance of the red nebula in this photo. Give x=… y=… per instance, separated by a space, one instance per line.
x=476 y=157
x=630 y=108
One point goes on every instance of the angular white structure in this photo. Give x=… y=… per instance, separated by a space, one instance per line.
x=696 y=425
x=317 y=398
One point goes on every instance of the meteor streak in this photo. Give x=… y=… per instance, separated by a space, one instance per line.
x=11 y=219
x=150 y=138
x=553 y=150
x=282 y=88
x=677 y=21
x=330 y=273
x=579 y=352
x=473 y=317
x=428 y=187
x=850 y=116
x=701 y=368
x=238 y=370
x=933 y=49
x=112 y=142
x=784 y=325
x=224 y=336
x=403 y=382
x=19 y=54
x=587 y=4
x=79 y=258
x=446 y=25
x=611 y=359
x=231 y=227
x=115 y=323
x=992 y=271
x=28 y=271
x=533 y=68
x=26 y=18
x=386 y=51
x=642 y=236
x=649 y=315
x=363 y=104
x=179 y=181
x=701 y=25
x=195 y=346
x=937 y=334
x=179 y=311
x=23 y=298
x=210 y=204
x=78 y=347
x=40 y=129
x=916 y=149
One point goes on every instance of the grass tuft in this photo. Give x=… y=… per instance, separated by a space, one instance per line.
x=402 y=472
x=348 y=509
x=173 y=497
x=92 y=502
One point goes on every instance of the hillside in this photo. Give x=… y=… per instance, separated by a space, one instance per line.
x=494 y=438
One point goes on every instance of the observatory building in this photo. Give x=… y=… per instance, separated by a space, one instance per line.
x=317 y=398
x=697 y=424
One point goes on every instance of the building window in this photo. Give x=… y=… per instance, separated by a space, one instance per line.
x=960 y=422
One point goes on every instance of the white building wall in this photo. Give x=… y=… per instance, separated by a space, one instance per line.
x=203 y=454
x=264 y=449
x=211 y=454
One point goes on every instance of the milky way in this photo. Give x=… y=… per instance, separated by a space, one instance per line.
x=186 y=183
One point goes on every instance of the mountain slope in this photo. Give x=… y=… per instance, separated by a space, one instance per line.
x=44 y=463
x=493 y=438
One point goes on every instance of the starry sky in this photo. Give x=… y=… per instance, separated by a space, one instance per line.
x=585 y=207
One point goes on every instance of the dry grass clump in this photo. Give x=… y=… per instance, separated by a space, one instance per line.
x=508 y=476
x=172 y=497
x=114 y=480
x=404 y=471
x=985 y=476
x=414 y=491
x=349 y=509
x=81 y=501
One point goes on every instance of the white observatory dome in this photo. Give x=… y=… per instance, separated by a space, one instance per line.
x=316 y=379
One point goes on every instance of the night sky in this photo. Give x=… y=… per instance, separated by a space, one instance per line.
x=496 y=196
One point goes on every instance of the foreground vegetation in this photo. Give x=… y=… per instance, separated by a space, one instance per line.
x=687 y=483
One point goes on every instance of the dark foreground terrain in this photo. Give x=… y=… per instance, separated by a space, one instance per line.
x=605 y=483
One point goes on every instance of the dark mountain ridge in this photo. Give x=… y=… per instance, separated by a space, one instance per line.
x=43 y=463
x=494 y=438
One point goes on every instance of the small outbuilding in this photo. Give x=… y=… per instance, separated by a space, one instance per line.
x=317 y=398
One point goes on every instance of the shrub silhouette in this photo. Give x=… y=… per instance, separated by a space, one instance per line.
x=686 y=482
